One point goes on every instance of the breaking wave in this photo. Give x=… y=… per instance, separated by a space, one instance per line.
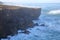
x=54 y=12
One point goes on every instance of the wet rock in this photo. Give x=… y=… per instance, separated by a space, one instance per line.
x=42 y=25
x=36 y=24
x=25 y=32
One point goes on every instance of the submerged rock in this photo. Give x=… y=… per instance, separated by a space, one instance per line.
x=42 y=25
x=14 y=18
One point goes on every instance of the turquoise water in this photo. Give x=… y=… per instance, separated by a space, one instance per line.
x=51 y=28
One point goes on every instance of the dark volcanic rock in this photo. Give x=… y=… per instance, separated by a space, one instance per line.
x=13 y=18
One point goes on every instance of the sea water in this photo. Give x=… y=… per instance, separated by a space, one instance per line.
x=51 y=28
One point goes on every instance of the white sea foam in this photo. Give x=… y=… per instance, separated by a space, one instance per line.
x=54 y=12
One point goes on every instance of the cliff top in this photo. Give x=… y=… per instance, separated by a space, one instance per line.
x=17 y=7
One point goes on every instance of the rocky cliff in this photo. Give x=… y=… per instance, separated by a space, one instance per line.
x=14 y=18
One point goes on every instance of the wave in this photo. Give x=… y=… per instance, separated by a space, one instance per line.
x=54 y=12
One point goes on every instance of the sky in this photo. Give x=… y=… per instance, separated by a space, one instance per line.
x=32 y=1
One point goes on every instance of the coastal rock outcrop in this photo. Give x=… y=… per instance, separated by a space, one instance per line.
x=14 y=18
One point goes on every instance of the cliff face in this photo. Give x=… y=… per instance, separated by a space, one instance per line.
x=14 y=18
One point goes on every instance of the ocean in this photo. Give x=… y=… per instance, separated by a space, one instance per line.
x=50 y=30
